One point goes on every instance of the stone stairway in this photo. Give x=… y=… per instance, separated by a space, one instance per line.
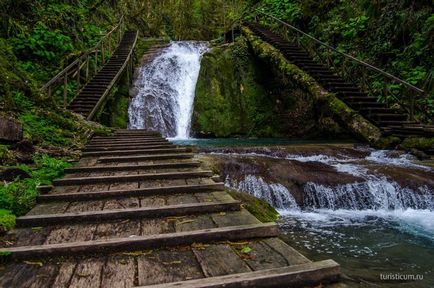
x=389 y=120
x=139 y=211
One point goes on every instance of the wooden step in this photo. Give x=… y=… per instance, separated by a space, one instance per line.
x=302 y=275
x=231 y=233
x=91 y=169
x=142 y=132
x=137 y=151
x=125 y=142
x=169 y=190
x=131 y=178
x=108 y=147
x=145 y=157
x=124 y=138
x=131 y=213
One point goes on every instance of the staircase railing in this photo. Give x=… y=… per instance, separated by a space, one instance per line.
x=406 y=95
x=76 y=75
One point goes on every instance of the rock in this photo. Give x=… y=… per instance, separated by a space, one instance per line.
x=24 y=146
x=10 y=130
x=420 y=155
x=10 y=174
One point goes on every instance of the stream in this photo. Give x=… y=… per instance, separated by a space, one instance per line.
x=370 y=210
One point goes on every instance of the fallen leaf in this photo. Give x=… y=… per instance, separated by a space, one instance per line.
x=34 y=263
x=199 y=246
x=184 y=222
x=172 y=263
x=246 y=250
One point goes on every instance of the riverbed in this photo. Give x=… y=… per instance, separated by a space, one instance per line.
x=370 y=210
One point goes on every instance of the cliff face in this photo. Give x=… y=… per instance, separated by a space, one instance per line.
x=242 y=92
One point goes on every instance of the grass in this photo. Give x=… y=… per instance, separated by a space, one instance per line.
x=19 y=196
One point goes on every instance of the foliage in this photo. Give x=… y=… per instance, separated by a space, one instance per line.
x=396 y=36
x=19 y=196
x=7 y=220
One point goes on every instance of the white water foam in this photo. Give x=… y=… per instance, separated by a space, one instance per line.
x=376 y=197
x=274 y=193
x=166 y=89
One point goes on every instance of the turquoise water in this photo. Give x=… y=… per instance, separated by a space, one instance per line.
x=237 y=142
x=368 y=244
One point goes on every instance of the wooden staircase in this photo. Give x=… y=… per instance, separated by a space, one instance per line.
x=132 y=214
x=91 y=97
x=390 y=121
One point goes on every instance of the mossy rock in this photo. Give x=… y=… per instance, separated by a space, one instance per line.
x=259 y=208
x=420 y=143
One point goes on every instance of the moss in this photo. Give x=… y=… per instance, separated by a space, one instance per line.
x=259 y=208
x=330 y=104
x=229 y=101
x=389 y=142
x=420 y=143
x=7 y=220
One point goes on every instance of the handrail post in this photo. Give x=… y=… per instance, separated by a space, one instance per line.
x=65 y=90
x=95 y=63
x=102 y=51
x=87 y=67
x=78 y=75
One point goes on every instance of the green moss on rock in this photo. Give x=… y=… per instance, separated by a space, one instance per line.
x=259 y=208
x=229 y=100
x=420 y=143
x=330 y=104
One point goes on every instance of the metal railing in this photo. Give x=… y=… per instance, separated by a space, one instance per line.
x=80 y=71
x=405 y=94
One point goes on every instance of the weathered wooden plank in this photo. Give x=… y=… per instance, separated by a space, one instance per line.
x=124 y=142
x=120 y=159
x=24 y=275
x=262 y=257
x=130 y=193
x=87 y=273
x=141 y=151
x=192 y=223
x=144 y=212
x=10 y=130
x=113 y=168
x=119 y=272
x=308 y=274
x=64 y=275
x=242 y=217
x=112 y=147
x=167 y=266
x=290 y=254
x=130 y=178
x=219 y=259
x=232 y=233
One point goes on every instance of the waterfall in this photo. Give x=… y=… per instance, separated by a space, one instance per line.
x=274 y=193
x=165 y=90
x=375 y=194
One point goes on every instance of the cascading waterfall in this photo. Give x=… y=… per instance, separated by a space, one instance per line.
x=166 y=89
x=375 y=196
x=275 y=193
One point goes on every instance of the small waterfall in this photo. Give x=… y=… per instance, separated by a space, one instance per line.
x=275 y=194
x=166 y=89
x=376 y=194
